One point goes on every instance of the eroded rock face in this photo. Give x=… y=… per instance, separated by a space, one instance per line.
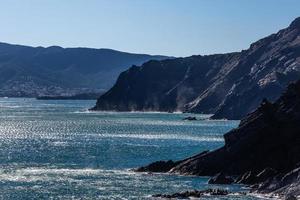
x=221 y=178
x=285 y=184
x=229 y=85
x=251 y=178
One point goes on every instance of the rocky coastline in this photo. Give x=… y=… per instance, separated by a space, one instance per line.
x=263 y=152
x=227 y=85
x=194 y=194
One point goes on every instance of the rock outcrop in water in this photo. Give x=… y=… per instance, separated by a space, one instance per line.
x=159 y=166
x=228 y=85
x=193 y=194
x=264 y=151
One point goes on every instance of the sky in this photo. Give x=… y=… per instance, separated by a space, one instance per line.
x=165 y=27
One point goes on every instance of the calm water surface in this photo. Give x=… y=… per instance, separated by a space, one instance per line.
x=59 y=150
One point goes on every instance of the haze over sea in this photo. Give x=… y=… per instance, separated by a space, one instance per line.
x=59 y=150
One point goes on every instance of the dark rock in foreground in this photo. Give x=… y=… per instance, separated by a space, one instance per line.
x=159 y=166
x=194 y=193
x=163 y=166
x=252 y=178
x=266 y=138
x=286 y=184
x=264 y=151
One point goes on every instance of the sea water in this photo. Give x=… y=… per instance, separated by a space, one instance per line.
x=59 y=150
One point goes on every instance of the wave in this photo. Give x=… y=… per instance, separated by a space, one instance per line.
x=33 y=174
x=139 y=112
x=118 y=112
x=10 y=106
x=164 y=137
x=83 y=112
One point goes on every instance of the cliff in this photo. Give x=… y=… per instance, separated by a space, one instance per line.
x=228 y=85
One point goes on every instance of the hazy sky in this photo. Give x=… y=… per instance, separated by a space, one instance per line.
x=169 y=27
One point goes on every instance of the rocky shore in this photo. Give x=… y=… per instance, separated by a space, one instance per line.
x=263 y=152
x=194 y=194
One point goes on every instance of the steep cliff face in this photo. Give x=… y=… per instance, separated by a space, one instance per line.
x=229 y=85
x=269 y=64
x=167 y=85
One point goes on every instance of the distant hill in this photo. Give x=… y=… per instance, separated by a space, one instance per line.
x=38 y=71
x=228 y=85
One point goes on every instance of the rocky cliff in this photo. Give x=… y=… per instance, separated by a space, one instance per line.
x=228 y=85
x=263 y=151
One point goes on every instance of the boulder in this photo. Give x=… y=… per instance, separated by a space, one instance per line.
x=190 y=118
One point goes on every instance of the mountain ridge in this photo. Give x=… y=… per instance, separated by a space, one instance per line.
x=228 y=85
x=89 y=48
x=38 y=71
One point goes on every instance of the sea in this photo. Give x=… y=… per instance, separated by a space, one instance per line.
x=57 y=149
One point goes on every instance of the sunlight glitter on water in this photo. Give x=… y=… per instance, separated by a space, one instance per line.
x=54 y=149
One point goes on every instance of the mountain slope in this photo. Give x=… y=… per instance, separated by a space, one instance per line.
x=229 y=85
x=29 y=71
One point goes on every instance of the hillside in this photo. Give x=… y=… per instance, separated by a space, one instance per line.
x=227 y=85
x=29 y=71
